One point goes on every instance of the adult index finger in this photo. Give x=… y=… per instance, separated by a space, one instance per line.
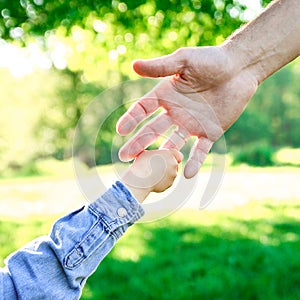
x=137 y=113
x=145 y=137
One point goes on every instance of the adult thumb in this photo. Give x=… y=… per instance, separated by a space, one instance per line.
x=162 y=66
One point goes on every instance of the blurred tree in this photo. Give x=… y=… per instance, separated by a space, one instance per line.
x=272 y=117
x=93 y=35
x=21 y=107
x=93 y=43
x=38 y=16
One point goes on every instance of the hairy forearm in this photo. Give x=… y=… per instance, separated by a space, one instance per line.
x=269 y=42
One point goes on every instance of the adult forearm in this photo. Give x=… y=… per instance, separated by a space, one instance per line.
x=269 y=42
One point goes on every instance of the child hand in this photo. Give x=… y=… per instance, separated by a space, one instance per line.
x=152 y=171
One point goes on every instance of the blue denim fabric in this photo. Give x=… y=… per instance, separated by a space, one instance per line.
x=57 y=266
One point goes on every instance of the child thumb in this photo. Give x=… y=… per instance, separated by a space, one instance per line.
x=177 y=154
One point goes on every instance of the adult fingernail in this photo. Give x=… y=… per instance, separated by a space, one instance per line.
x=124 y=128
x=191 y=169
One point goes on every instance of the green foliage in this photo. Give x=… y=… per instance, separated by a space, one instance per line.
x=57 y=124
x=92 y=45
x=273 y=113
x=278 y=100
x=102 y=38
x=38 y=16
x=254 y=154
x=29 y=169
x=20 y=110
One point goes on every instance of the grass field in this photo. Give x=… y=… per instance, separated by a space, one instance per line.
x=250 y=252
x=246 y=249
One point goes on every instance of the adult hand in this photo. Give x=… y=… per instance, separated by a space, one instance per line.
x=203 y=95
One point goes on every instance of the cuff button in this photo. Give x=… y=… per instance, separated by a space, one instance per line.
x=122 y=212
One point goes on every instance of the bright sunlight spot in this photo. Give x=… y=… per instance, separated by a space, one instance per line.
x=23 y=61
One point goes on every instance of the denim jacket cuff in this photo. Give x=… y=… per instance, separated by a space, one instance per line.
x=117 y=207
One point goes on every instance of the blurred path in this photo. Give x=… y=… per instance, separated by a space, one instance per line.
x=23 y=198
x=238 y=188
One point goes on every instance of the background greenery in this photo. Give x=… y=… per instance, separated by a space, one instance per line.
x=250 y=252
x=76 y=50
x=247 y=253
x=82 y=48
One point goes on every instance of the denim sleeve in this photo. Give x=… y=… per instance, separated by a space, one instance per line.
x=57 y=266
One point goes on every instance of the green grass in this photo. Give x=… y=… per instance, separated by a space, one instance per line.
x=250 y=252
x=16 y=233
